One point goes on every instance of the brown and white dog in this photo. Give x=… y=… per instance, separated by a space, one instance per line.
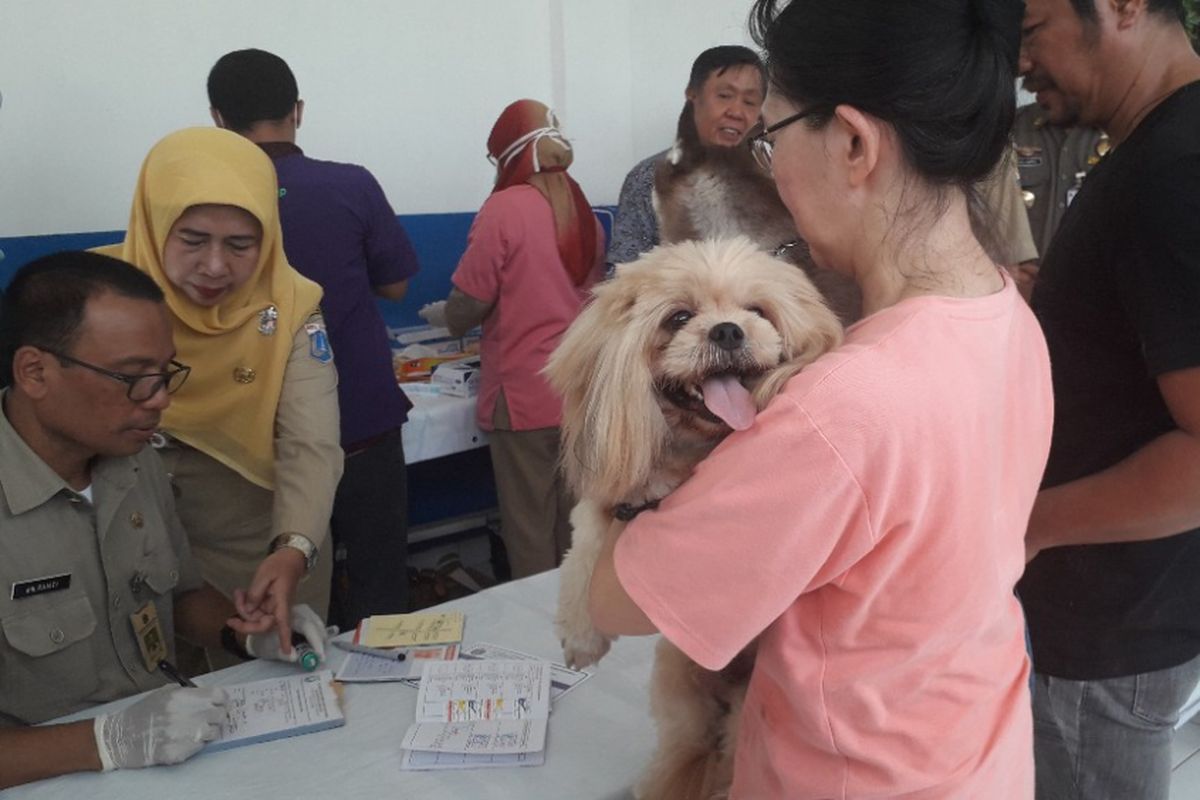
x=681 y=347
x=708 y=192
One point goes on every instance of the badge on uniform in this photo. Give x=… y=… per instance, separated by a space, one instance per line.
x=318 y=342
x=149 y=635
x=51 y=583
x=268 y=320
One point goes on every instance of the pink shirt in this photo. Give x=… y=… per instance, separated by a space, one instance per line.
x=870 y=526
x=512 y=262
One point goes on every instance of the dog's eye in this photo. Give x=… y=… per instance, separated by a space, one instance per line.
x=678 y=320
x=757 y=310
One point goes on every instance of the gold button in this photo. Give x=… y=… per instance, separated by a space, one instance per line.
x=135 y=519
x=244 y=374
x=1029 y=198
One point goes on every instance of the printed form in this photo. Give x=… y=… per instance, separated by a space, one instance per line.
x=279 y=707
x=479 y=714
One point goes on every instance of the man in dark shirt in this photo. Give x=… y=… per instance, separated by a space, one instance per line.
x=340 y=231
x=1112 y=594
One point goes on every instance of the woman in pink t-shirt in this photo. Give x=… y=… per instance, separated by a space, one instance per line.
x=534 y=250
x=869 y=528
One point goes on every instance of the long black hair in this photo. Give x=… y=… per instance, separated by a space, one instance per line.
x=940 y=72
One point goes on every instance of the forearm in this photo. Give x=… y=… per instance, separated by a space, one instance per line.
x=308 y=453
x=1152 y=494
x=33 y=754
x=391 y=291
x=464 y=312
x=612 y=609
x=200 y=614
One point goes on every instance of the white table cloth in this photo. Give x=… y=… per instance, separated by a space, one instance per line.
x=600 y=735
x=439 y=425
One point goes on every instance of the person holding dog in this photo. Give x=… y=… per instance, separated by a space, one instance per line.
x=866 y=532
x=724 y=96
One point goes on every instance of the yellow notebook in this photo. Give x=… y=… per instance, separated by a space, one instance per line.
x=412 y=630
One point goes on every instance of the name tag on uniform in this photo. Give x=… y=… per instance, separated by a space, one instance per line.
x=52 y=583
x=1028 y=157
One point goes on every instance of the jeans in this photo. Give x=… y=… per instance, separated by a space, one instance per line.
x=1108 y=739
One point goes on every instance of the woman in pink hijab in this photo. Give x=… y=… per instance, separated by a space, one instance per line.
x=534 y=250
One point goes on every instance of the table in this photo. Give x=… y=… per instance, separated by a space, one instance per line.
x=600 y=738
x=438 y=425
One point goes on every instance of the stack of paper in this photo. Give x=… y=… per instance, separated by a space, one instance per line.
x=479 y=714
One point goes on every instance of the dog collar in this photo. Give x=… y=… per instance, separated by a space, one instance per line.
x=625 y=512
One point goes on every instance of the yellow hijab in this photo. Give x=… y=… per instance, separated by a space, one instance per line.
x=230 y=420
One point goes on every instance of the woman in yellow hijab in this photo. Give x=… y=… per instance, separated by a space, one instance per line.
x=251 y=439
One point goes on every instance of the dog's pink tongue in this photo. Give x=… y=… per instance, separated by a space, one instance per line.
x=725 y=396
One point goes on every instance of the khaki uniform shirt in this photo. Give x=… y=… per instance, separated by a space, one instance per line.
x=73 y=647
x=1049 y=157
x=1004 y=211
x=230 y=521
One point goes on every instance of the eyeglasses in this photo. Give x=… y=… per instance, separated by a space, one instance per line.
x=763 y=148
x=139 y=388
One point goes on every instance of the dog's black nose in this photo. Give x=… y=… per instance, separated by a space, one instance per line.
x=726 y=336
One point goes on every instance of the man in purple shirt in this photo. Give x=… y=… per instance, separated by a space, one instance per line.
x=340 y=231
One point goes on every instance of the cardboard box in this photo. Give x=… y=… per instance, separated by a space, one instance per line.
x=457 y=378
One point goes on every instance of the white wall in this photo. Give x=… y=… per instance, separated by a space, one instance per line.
x=408 y=88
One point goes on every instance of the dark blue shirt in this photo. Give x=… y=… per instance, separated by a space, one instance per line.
x=340 y=231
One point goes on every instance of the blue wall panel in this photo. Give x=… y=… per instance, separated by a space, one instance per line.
x=439 y=240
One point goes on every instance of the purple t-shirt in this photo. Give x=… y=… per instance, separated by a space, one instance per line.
x=340 y=231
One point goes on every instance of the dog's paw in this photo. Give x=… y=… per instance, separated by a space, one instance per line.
x=583 y=651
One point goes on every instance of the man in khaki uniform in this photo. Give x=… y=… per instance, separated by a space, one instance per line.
x=1052 y=160
x=1004 y=212
x=96 y=566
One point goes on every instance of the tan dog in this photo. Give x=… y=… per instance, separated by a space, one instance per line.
x=681 y=347
x=706 y=192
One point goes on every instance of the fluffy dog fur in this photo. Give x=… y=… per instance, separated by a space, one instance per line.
x=631 y=370
x=705 y=192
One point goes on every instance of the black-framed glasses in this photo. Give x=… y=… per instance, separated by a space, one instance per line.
x=139 y=388
x=763 y=148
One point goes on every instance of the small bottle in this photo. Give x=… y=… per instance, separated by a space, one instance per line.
x=306 y=657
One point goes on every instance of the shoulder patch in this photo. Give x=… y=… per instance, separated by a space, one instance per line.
x=318 y=340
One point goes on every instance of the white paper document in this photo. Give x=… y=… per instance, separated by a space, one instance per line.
x=562 y=679
x=279 y=707
x=480 y=711
x=365 y=668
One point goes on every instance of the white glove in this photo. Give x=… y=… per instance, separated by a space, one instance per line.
x=169 y=725
x=434 y=313
x=305 y=622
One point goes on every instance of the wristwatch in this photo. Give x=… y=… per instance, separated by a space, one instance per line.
x=297 y=542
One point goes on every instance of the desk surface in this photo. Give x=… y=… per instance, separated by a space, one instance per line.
x=600 y=737
x=439 y=425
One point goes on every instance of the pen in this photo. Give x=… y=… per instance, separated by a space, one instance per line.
x=350 y=647
x=174 y=674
